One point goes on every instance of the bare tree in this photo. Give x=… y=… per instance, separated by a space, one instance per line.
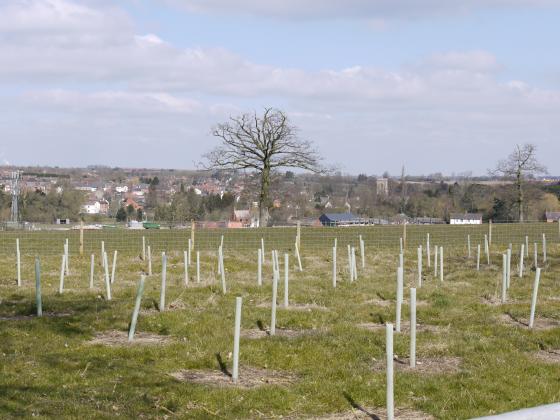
x=520 y=164
x=263 y=144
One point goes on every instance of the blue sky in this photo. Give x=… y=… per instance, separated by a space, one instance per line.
x=435 y=85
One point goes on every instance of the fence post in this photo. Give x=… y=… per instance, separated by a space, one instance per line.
x=136 y=310
x=334 y=267
x=535 y=256
x=412 y=327
x=440 y=263
x=490 y=233
x=362 y=252
x=62 y=268
x=259 y=267
x=163 y=282
x=400 y=275
x=298 y=258
x=67 y=255
x=404 y=235
x=91 y=270
x=469 y=246
x=107 y=281
x=186 y=264
x=103 y=253
x=286 y=279
x=223 y=271
x=436 y=249
x=508 y=272
x=521 y=255
x=193 y=227
x=420 y=266
x=143 y=248
x=149 y=260
x=389 y=371
x=236 y=335
x=81 y=237
x=428 y=256
x=198 y=266
x=274 y=297
x=18 y=263
x=38 y=297
x=478 y=257
x=504 y=277
x=534 y=297
x=544 y=248
x=114 y=268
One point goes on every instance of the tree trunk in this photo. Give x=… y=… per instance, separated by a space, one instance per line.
x=263 y=197
x=519 y=195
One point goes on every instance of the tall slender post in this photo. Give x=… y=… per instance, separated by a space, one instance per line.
x=508 y=268
x=350 y=268
x=38 y=297
x=163 y=282
x=193 y=227
x=66 y=249
x=62 y=269
x=186 y=267
x=404 y=235
x=262 y=250
x=436 y=249
x=259 y=267
x=286 y=279
x=362 y=252
x=440 y=263
x=236 y=335
x=91 y=270
x=298 y=258
x=490 y=233
x=298 y=234
x=136 y=310
x=149 y=260
x=334 y=266
x=527 y=246
x=18 y=263
x=428 y=257
x=400 y=275
x=401 y=260
x=412 y=327
x=223 y=272
x=81 y=237
x=401 y=247
x=478 y=257
x=114 y=267
x=220 y=260
x=190 y=251
x=534 y=297
x=544 y=248
x=102 y=253
x=469 y=246
x=389 y=371
x=535 y=256
x=107 y=280
x=504 y=278
x=354 y=268
x=419 y=257
x=521 y=256
x=274 y=297
x=487 y=249
x=143 y=248
x=198 y=266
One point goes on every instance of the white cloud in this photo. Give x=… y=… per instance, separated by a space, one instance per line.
x=91 y=80
x=378 y=9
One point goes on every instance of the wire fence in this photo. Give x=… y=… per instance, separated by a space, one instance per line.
x=128 y=241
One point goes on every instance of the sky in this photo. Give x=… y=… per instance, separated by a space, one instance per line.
x=432 y=85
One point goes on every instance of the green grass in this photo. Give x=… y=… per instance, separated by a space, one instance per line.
x=47 y=370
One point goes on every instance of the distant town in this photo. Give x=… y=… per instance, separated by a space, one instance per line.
x=99 y=196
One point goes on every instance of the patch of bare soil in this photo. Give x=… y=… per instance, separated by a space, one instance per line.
x=120 y=338
x=378 y=302
x=280 y=332
x=308 y=307
x=249 y=377
x=28 y=317
x=491 y=300
x=539 y=324
x=405 y=327
x=426 y=365
x=375 y=414
x=549 y=356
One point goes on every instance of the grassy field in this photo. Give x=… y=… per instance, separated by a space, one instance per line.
x=476 y=359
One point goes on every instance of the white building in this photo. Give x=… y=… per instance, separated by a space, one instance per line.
x=92 y=208
x=465 y=219
x=121 y=189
